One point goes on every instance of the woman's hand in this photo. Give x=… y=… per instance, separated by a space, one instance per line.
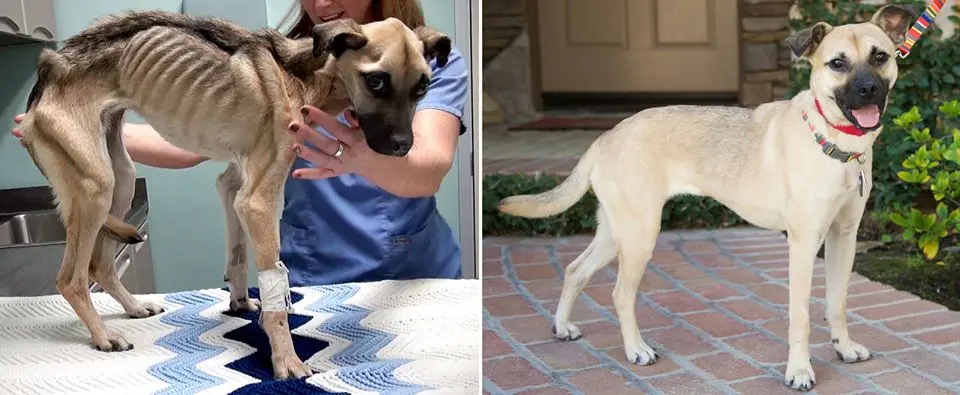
x=325 y=157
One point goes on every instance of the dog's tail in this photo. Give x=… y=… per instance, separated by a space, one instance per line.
x=558 y=199
x=121 y=231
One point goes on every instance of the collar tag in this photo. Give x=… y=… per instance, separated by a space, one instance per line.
x=861 y=179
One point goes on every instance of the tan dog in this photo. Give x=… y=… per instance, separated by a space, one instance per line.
x=766 y=164
x=213 y=88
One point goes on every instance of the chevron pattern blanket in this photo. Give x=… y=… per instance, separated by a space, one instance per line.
x=393 y=337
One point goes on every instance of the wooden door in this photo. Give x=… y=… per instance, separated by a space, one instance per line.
x=631 y=46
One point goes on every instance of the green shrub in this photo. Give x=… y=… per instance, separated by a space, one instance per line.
x=934 y=169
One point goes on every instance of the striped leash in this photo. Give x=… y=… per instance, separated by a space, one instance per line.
x=919 y=27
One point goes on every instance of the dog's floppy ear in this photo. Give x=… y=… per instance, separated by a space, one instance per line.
x=895 y=19
x=337 y=37
x=805 y=42
x=435 y=44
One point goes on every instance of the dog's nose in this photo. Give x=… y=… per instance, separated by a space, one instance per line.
x=400 y=149
x=401 y=146
x=868 y=90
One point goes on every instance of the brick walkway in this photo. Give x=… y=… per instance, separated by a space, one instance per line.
x=713 y=304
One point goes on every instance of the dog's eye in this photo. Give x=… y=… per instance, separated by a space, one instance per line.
x=838 y=64
x=880 y=57
x=375 y=82
x=422 y=88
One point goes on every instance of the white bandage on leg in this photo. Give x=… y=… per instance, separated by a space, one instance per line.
x=275 y=289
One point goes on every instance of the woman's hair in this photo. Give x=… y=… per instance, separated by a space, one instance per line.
x=407 y=11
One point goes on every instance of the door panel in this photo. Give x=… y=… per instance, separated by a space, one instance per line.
x=618 y=46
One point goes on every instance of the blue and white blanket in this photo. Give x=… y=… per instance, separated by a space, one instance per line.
x=396 y=337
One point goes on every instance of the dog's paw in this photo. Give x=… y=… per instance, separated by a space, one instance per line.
x=641 y=354
x=112 y=342
x=289 y=366
x=566 y=332
x=799 y=376
x=147 y=309
x=246 y=305
x=850 y=352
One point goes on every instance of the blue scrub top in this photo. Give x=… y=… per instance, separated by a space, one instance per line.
x=346 y=229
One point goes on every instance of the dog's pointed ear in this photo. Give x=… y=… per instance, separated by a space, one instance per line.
x=805 y=42
x=436 y=45
x=337 y=37
x=895 y=20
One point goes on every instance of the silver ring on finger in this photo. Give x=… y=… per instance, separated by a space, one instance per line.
x=339 y=151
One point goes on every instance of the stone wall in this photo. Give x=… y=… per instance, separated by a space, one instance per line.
x=765 y=59
x=503 y=21
x=506 y=63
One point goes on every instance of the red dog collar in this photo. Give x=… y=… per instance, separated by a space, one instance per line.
x=845 y=129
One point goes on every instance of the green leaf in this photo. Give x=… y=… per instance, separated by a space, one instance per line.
x=908 y=234
x=930 y=247
x=898 y=219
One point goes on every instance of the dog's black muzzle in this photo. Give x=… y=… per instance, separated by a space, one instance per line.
x=387 y=136
x=863 y=99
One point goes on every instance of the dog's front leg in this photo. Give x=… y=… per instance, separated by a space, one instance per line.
x=840 y=249
x=264 y=174
x=804 y=243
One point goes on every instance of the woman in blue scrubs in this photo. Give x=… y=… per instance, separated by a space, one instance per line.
x=363 y=216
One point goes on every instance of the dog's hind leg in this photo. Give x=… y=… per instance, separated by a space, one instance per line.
x=840 y=249
x=72 y=155
x=102 y=264
x=635 y=223
x=597 y=255
x=235 y=270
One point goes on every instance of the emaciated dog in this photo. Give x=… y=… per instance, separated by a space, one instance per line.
x=801 y=165
x=211 y=87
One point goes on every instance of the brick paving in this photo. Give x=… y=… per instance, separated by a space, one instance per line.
x=714 y=305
